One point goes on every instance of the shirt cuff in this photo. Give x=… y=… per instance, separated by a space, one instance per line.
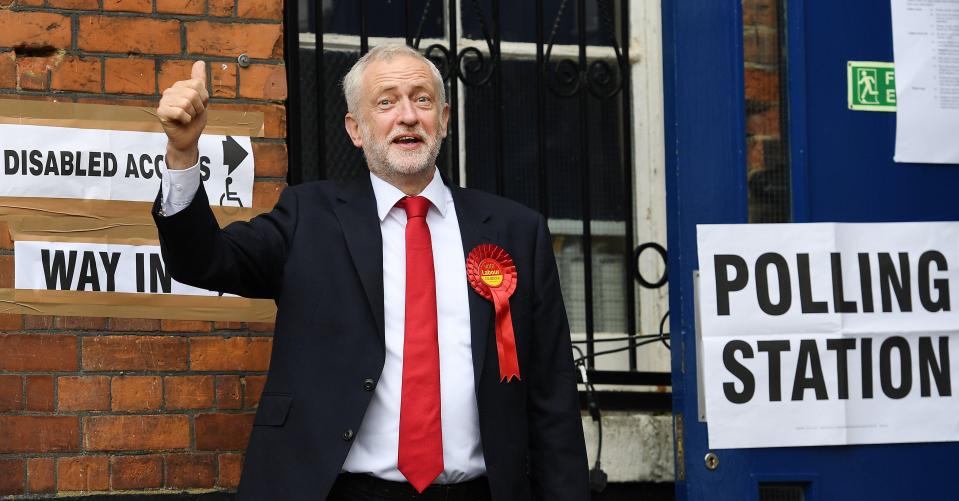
x=178 y=188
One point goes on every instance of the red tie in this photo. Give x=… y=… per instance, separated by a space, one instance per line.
x=421 y=436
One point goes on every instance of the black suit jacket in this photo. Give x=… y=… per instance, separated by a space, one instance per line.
x=318 y=254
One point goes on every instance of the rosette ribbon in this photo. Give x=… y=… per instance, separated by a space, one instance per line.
x=491 y=273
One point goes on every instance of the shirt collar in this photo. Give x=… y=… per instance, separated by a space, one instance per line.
x=388 y=195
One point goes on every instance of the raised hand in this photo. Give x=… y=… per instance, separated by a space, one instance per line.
x=182 y=112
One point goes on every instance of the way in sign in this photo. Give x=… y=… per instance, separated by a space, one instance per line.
x=97 y=271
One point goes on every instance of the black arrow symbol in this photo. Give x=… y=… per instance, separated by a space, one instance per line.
x=233 y=154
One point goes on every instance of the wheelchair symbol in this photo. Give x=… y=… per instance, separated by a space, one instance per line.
x=228 y=195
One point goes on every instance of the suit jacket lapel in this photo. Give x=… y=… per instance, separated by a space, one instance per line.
x=475 y=229
x=361 y=229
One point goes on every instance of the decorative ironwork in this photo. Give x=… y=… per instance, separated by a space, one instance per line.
x=469 y=65
x=599 y=77
x=580 y=77
x=639 y=274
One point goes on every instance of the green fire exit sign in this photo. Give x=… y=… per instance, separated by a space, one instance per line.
x=871 y=86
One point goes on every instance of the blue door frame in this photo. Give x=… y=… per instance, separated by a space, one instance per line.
x=842 y=170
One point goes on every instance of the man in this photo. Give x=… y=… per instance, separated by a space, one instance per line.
x=386 y=376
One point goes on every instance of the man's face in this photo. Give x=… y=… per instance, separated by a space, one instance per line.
x=399 y=122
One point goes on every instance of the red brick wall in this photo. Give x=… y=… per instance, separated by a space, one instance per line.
x=764 y=144
x=111 y=404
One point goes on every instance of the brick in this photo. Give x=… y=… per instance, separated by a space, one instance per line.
x=83 y=473
x=761 y=85
x=186 y=326
x=80 y=323
x=231 y=465
x=221 y=8
x=8 y=80
x=134 y=324
x=39 y=393
x=266 y=194
x=271 y=161
x=11 y=393
x=32 y=73
x=11 y=321
x=134 y=433
x=760 y=46
x=38 y=322
x=228 y=432
x=191 y=470
x=252 y=388
x=259 y=41
x=6 y=272
x=180 y=6
x=189 y=392
x=34 y=29
x=136 y=472
x=136 y=393
x=229 y=393
x=144 y=6
x=173 y=71
x=134 y=34
x=130 y=76
x=83 y=393
x=74 y=4
x=223 y=81
x=38 y=352
x=40 y=475
x=118 y=353
x=11 y=476
x=761 y=13
x=230 y=354
x=763 y=123
x=28 y=3
x=261 y=326
x=274 y=116
x=263 y=81
x=260 y=9
x=228 y=326
x=39 y=434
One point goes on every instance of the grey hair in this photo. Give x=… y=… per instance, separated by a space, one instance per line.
x=352 y=82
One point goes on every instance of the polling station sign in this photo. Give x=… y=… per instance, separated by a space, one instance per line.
x=64 y=162
x=96 y=267
x=829 y=334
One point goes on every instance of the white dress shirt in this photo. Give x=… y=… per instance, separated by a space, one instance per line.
x=177 y=188
x=375 y=448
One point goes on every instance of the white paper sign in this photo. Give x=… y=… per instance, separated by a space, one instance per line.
x=829 y=334
x=61 y=162
x=925 y=36
x=95 y=267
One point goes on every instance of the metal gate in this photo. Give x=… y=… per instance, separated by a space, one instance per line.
x=540 y=113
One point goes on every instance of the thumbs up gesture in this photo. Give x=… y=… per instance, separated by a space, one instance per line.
x=182 y=112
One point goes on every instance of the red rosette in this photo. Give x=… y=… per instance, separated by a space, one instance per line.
x=492 y=274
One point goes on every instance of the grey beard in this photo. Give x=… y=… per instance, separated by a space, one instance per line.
x=379 y=162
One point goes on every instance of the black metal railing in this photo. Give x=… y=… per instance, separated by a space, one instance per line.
x=559 y=81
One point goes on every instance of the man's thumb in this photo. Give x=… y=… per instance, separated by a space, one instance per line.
x=199 y=72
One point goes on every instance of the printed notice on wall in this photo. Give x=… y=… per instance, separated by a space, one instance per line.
x=62 y=162
x=926 y=48
x=829 y=334
x=94 y=267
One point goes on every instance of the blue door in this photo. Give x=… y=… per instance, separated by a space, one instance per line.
x=841 y=170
